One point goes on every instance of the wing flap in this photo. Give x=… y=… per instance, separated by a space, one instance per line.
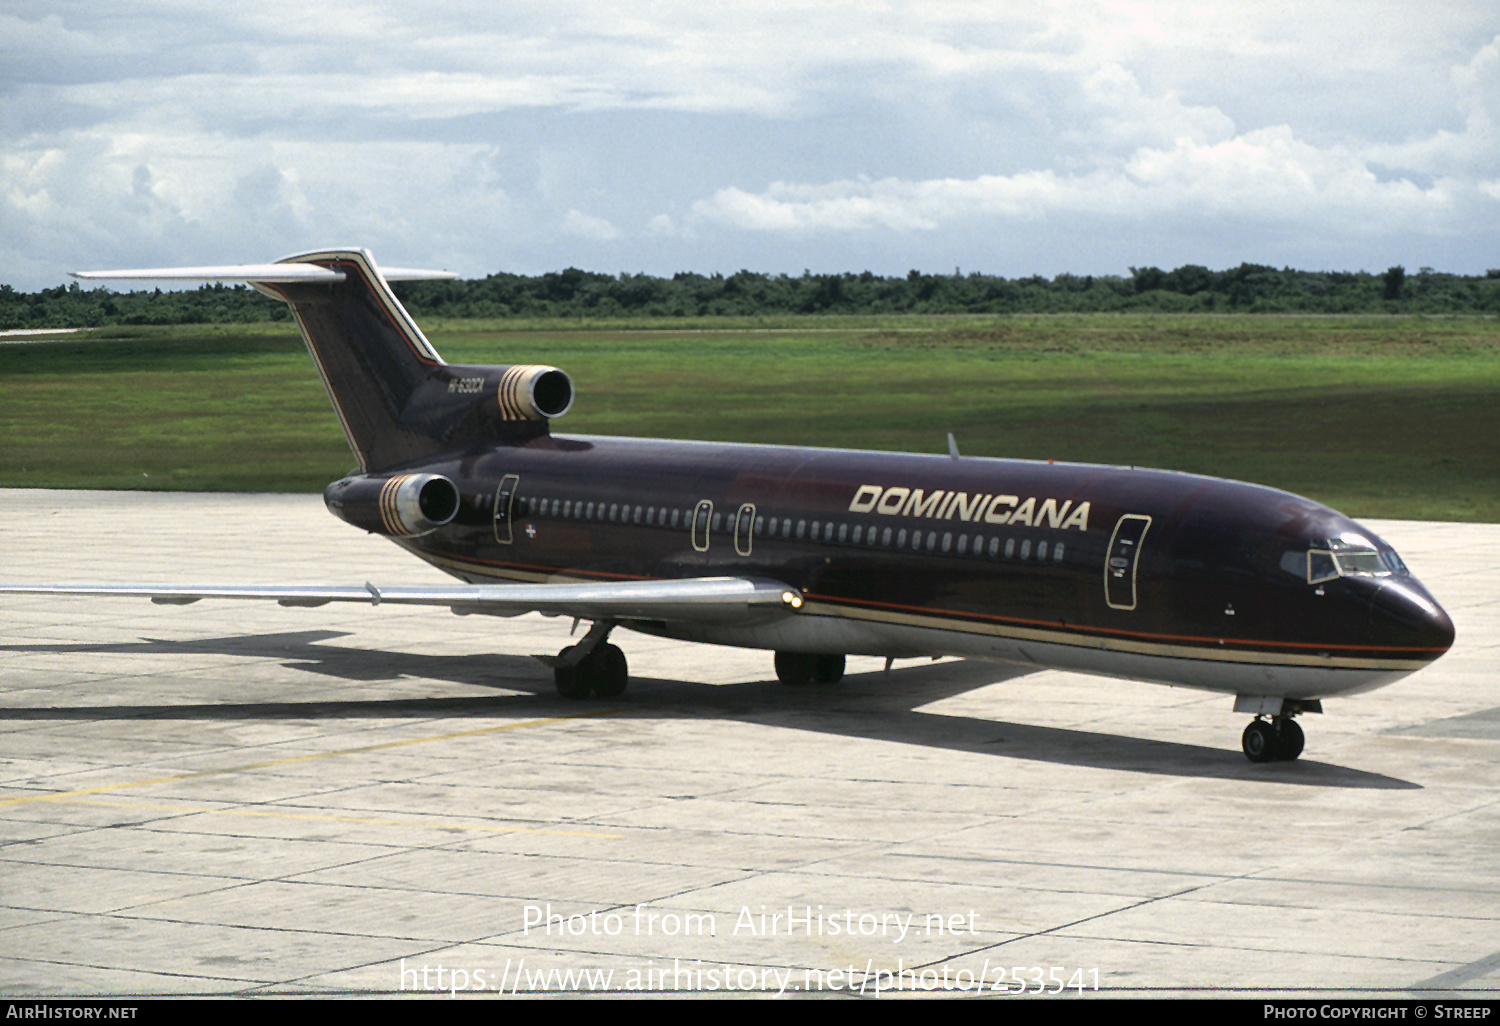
x=693 y=600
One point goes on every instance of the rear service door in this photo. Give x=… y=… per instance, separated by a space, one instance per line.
x=744 y=529
x=702 y=517
x=505 y=500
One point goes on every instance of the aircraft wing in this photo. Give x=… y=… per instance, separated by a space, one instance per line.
x=693 y=600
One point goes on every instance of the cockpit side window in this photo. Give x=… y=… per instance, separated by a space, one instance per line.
x=1320 y=566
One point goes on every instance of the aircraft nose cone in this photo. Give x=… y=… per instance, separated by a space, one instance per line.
x=1405 y=613
x=1438 y=630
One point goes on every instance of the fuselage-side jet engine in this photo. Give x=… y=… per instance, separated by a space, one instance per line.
x=816 y=554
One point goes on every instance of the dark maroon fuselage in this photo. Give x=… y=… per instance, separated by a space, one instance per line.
x=1217 y=595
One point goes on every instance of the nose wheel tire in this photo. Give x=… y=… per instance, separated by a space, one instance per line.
x=1289 y=743
x=1265 y=741
x=1259 y=741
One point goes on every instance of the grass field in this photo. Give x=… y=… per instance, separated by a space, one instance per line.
x=1386 y=416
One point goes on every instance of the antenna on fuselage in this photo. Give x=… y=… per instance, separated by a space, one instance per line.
x=952 y=446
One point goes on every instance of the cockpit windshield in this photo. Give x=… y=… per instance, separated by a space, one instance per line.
x=1361 y=564
x=1325 y=564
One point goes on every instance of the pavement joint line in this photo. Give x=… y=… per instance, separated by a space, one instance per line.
x=190 y=811
x=243 y=767
x=1056 y=930
x=1067 y=865
x=1453 y=978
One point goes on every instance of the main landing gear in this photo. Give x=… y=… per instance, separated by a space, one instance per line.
x=795 y=669
x=603 y=673
x=591 y=667
x=1278 y=739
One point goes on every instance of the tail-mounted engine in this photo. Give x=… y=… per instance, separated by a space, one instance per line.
x=533 y=392
x=515 y=392
x=459 y=406
x=402 y=506
x=399 y=403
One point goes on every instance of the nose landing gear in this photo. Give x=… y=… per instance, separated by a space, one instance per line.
x=1273 y=736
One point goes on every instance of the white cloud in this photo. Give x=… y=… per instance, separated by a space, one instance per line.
x=1267 y=175
x=584 y=226
x=466 y=134
x=101 y=199
x=239 y=98
x=1475 y=149
x=890 y=203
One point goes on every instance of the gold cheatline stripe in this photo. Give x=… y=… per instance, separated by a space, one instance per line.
x=400 y=319
x=1201 y=653
x=383 y=503
x=501 y=570
x=936 y=621
x=338 y=409
x=389 y=515
x=62 y=795
x=512 y=405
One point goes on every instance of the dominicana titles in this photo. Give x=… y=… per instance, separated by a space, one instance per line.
x=974 y=509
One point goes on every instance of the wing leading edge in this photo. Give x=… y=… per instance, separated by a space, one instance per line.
x=694 y=600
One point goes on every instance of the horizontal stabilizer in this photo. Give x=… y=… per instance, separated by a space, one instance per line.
x=233 y=272
x=287 y=273
x=694 y=600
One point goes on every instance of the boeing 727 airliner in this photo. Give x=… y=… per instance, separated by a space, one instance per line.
x=814 y=553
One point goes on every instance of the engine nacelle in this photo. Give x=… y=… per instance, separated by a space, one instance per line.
x=535 y=392
x=514 y=392
x=400 y=506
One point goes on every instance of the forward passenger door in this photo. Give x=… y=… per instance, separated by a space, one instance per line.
x=1122 y=559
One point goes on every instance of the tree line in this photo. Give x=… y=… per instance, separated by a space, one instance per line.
x=573 y=293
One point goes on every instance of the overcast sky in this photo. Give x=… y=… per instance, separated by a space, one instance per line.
x=1012 y=138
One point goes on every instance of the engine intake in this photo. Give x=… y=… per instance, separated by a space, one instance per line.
x=533 y=392
x=403 y=506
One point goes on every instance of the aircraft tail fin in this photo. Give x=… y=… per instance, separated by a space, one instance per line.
x=397 y=400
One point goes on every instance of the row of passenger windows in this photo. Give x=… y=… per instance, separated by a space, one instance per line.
x=614 y=512
x=961 y=544
x=825 y=531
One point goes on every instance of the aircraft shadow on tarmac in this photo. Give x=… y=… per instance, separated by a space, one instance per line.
x=883 y=706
